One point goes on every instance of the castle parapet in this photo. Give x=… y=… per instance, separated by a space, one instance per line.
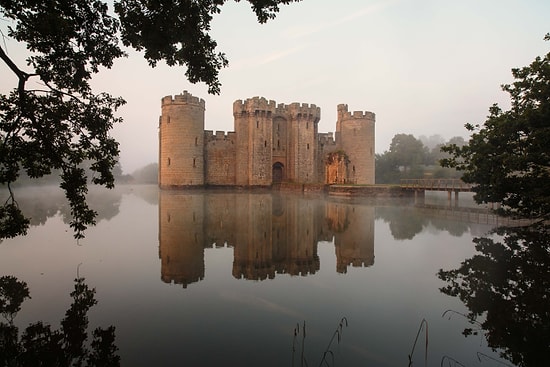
x=184 y=98
x=326 y=138
x=344 y=114
x=253 y=106
x=300 y=111
x=305 y=111
x=209 y=136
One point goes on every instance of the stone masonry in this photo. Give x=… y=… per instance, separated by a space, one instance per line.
x=272 y=143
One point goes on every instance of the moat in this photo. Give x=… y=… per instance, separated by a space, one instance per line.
x=223 y=278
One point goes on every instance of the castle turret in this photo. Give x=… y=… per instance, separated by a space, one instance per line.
x=355 y=136
x=254 y=128
x=303 y=140
x=181 y=135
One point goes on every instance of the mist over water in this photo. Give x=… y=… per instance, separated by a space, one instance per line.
x=223 y=278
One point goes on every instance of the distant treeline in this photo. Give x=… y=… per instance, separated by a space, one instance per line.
x=409 y=157
x=144 y=175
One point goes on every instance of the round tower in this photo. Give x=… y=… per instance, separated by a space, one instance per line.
x=355 y=136
x=181 y=141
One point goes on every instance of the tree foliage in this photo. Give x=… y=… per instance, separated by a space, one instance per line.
x=53 y=121
x=409 y=157
x=407 y=150
x=146 y=175
x=508 y=157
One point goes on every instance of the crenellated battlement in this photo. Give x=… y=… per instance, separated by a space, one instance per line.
x=344 y=114
x=326 y=139
x=253 y=105
x=299 y=111
x=210 y=136
x=184 y=98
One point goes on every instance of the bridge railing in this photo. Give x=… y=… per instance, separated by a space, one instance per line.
x=436 y=184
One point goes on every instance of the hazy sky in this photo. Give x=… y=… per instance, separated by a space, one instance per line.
x=424 y=67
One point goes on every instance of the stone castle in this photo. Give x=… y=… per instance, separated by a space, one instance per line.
x=272 y=143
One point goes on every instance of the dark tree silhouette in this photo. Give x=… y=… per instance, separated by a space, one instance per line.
x=506 y=288
x=40 y=345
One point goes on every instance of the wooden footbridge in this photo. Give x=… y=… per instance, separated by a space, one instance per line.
x=435 y=184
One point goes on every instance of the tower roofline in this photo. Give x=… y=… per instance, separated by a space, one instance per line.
x=184 y=98
x=344 y=114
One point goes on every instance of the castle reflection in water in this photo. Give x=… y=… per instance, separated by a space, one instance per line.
x=270 y=233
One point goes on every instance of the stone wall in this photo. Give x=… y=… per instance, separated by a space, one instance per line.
x=220 y=151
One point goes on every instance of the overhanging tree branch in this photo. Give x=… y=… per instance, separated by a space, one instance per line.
x=21 y=75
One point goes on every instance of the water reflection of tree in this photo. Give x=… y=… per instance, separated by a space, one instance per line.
x=453 y=227
x=508 y=285
x=403 y=222
x=407 y=222
x=41 y=203
x=39 y=345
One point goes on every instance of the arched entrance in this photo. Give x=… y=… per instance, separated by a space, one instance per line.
x=277 y=172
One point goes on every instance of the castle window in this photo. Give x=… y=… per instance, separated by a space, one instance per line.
x=168 y=162
x=196 y=141
x=307 y=124
x=278 y=144
x=257 y=124
x=194 y=163
x=265 y=143
x=307 y=146
x=353 y=169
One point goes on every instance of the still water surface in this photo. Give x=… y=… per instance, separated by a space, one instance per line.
x=216 y=278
